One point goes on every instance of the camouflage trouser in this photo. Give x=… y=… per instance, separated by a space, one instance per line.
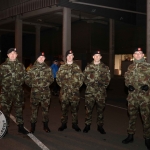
x=72 y=99
x=134 y=106
x=40 y=96
x=90 y=101
x=13 y=96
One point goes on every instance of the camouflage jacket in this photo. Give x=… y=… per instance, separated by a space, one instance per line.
x=40 y=75
x=137 y=75
x=96 y=77
x=69 y=76
x=12 y=73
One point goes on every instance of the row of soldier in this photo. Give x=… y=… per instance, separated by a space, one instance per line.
x=70 y=78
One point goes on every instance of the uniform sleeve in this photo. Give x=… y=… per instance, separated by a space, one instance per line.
x=127 y=83
x=106 y=78
x=147 y=76
x=24 y=72
x=51 y=76
x=127 y=77
x=28 y=78
x=58 y=76
x=85 y=72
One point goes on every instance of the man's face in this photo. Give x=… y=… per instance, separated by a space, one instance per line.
x=70 y=58
x=12 y=56
x=55 y=62
x=97 y=58
x=138 y=55
x=41 y=59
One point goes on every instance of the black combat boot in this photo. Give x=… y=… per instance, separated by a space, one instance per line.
x=100 y=129
x=75 y=126
x=21 y=129
x=86 y=129
x=45 y=127
x=32 y=128
x=62 y=127
x=129 y=139
x=147 y=143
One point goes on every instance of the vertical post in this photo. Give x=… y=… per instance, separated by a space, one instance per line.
x=37 y=44
x=66 y=43
x=148 y=32
x=18 y=37
x=111 y=46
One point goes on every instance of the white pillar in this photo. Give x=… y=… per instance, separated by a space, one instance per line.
x=148 y=32
x=37 y=42
x=111 y=45
x=66 y=43
x=18 y=37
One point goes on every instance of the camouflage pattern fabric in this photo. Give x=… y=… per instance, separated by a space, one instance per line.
x=39 y=78
x=137 y=75
x=70 y=78
x=96 y=78
x=11 y=80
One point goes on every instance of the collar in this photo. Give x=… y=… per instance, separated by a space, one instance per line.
x=139 y=61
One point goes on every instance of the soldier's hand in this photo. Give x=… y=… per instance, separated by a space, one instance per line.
x=144 y=87
x=131 y=88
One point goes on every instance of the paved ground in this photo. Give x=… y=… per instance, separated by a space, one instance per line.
x=116 y=122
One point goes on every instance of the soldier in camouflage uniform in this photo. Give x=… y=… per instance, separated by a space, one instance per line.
x=39 y=78
x=138 y=82
x=70 y=78
x=12 y=74
x=96 y=78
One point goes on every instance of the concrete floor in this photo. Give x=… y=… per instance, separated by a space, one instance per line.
x=116 y=123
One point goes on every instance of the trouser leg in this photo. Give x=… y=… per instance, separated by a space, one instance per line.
x=74 y=111
x=89 y=104
x=45 y=109
x=100 y=104
x=133 y=112
x=6 y=103
x=34 y=111
x=145 y=114
x=18 y=104
x=64 y=108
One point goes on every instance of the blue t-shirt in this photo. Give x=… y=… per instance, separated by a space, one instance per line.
x=54 y=68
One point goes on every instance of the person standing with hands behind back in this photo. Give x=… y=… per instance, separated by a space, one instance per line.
x=138 y=82
x=39 y=78
x=70 y=78
x=96 y=78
